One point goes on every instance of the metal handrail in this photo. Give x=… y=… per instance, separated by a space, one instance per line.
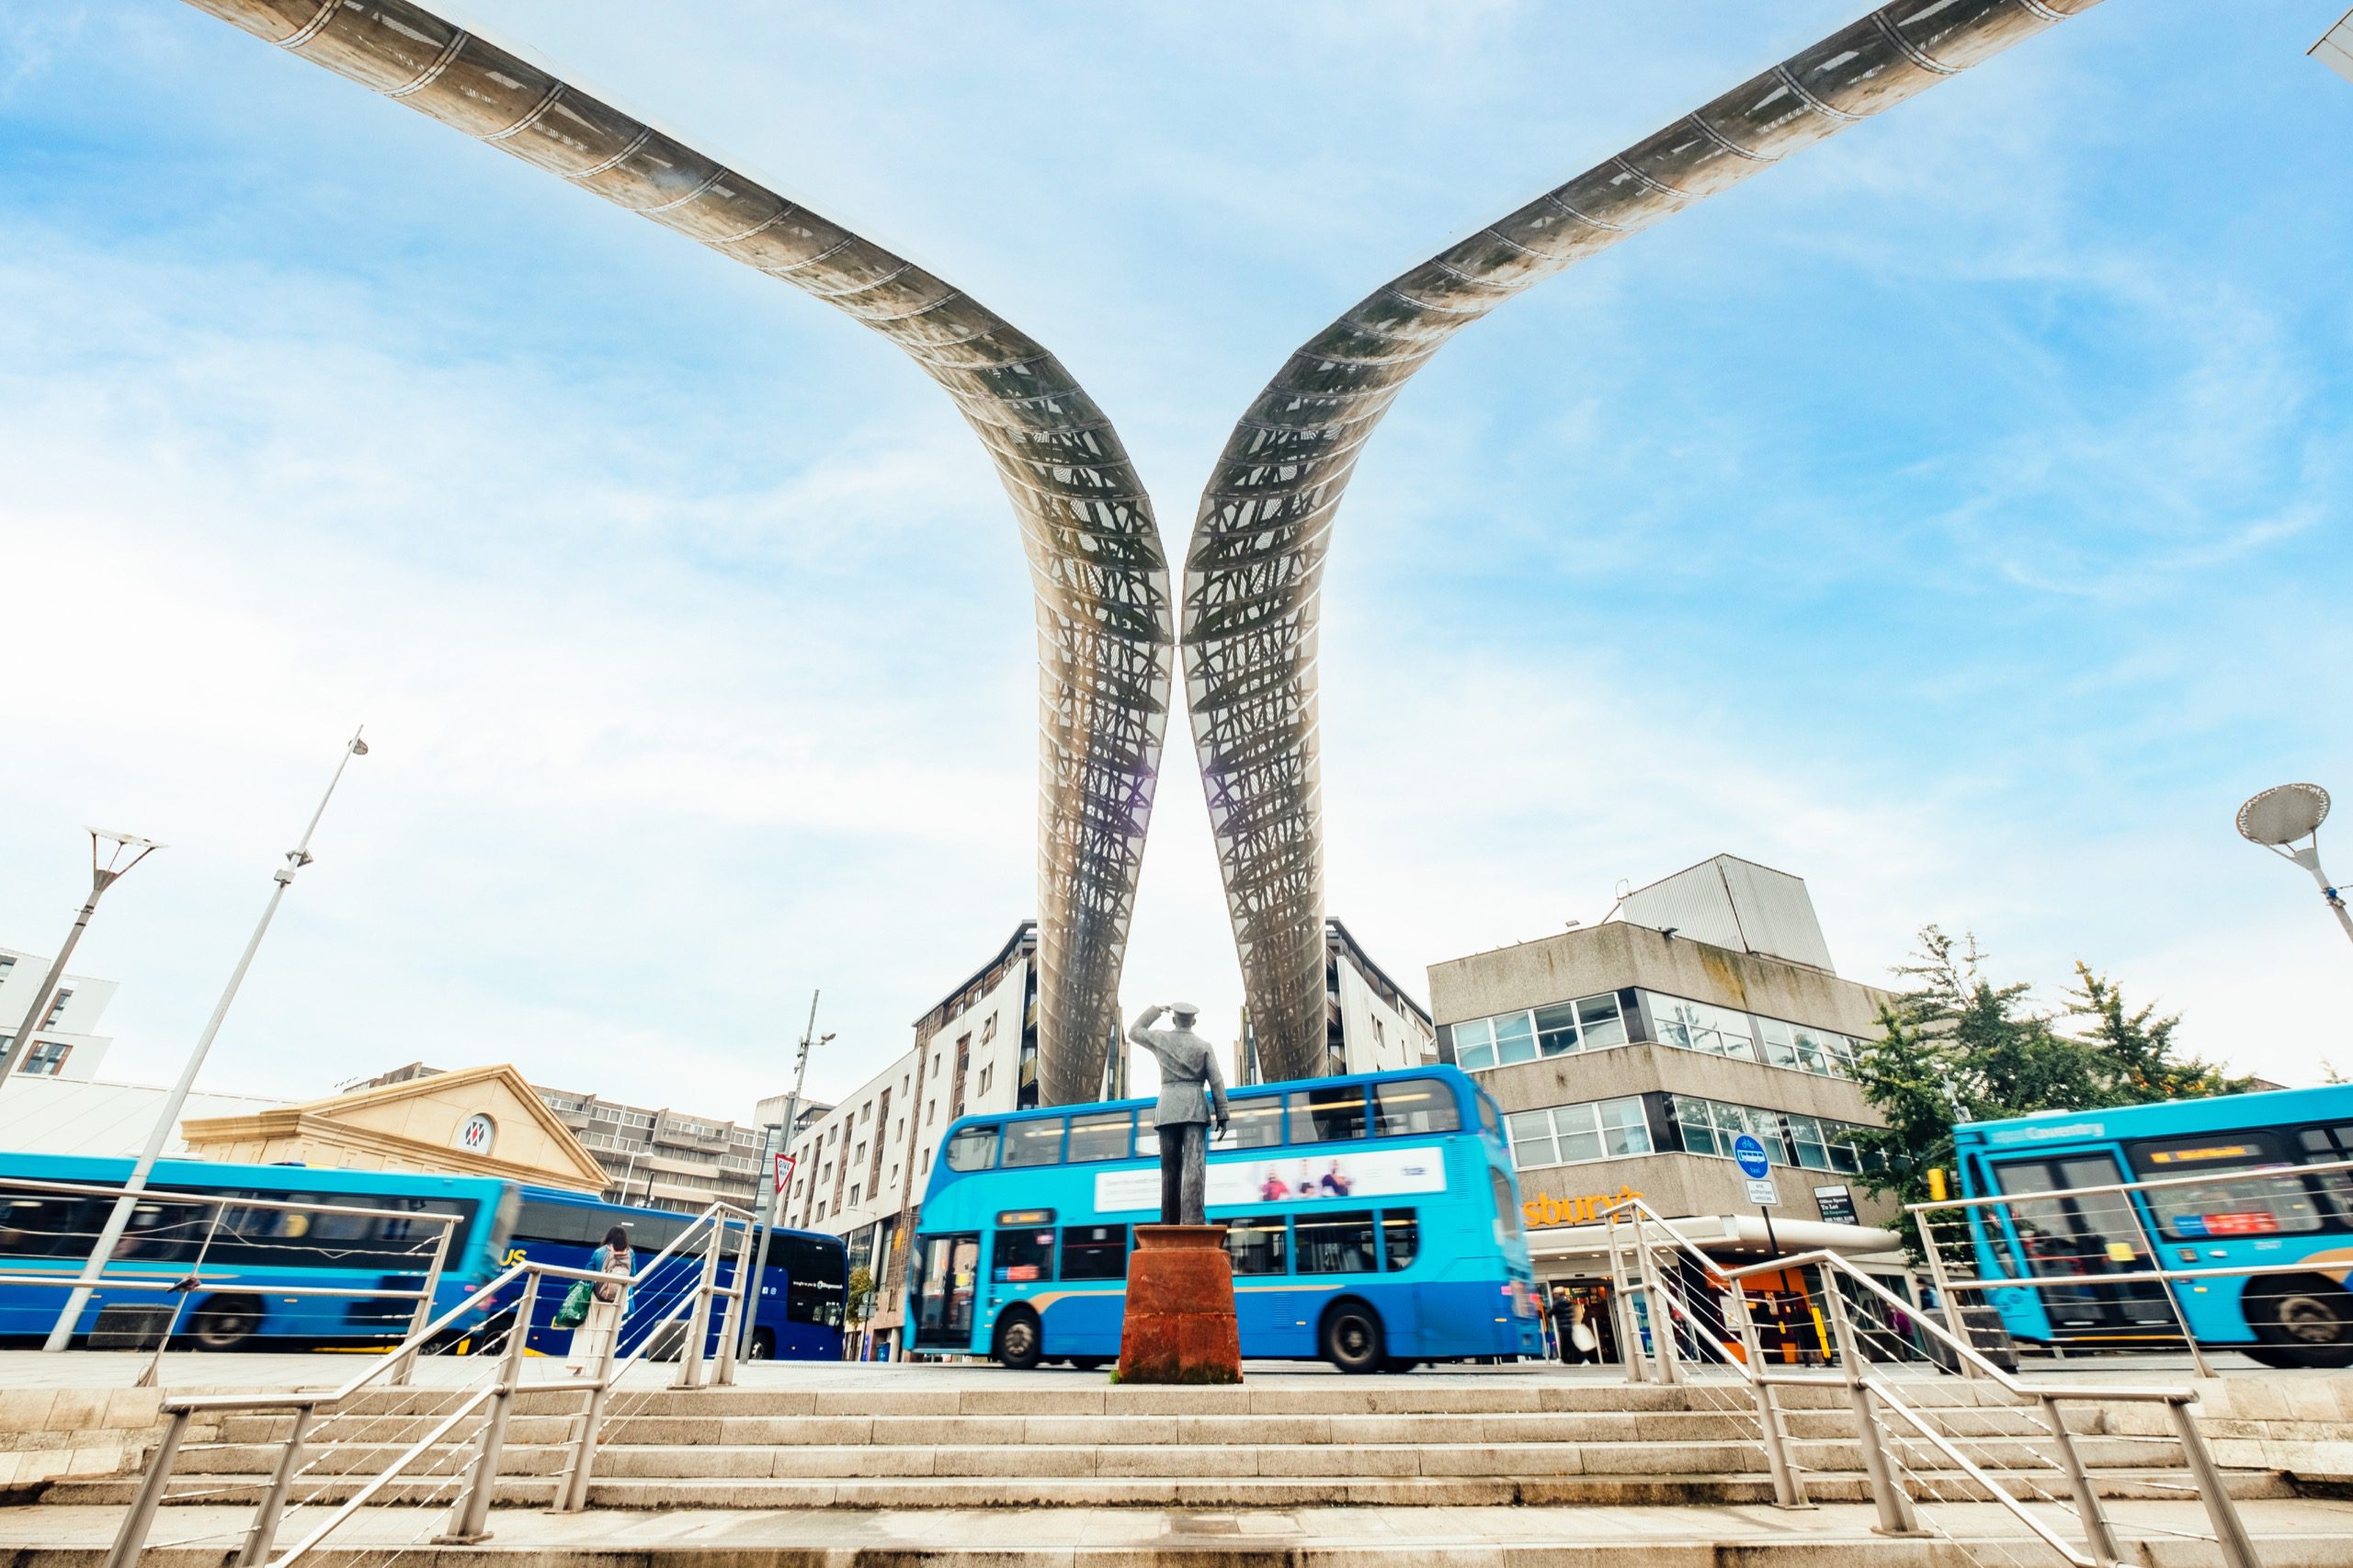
x=474 y=1502
x=1829 y=1259
x=1976 y=1472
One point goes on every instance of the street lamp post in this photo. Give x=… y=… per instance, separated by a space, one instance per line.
x=18 y=1049
x=776 y=1198
x=169 y=1116
x=2278 y=817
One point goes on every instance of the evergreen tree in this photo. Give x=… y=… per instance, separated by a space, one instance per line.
x=2136 y=1048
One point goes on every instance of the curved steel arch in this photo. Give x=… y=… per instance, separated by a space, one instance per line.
x=1104 y=626
x=1254 y=566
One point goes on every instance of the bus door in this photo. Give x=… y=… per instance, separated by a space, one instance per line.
x=946 y=1270
x=2072 y=1242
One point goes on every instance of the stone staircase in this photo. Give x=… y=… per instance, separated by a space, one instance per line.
x=1398 y=1443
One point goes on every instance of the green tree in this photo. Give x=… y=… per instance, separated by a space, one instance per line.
x=1956 y=1047
x=857 y=1300
x=2138 y=1057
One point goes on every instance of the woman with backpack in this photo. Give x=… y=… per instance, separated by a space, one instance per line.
x=607 y=1299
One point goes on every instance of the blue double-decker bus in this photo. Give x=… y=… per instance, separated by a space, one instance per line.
x=251 y=1257
x=1372 y=1220
x=2253 y=1206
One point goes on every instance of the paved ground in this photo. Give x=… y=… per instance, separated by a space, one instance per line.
x=194 y=1369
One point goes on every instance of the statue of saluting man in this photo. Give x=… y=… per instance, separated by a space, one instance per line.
x=1188 y=1066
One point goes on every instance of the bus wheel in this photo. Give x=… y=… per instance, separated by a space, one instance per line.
x=1352 y=1338
x=763 y=1344
x=226 y=1322
x=1020 y=1344
x=2302 y=1320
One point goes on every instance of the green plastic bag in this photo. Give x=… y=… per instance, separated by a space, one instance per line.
x=574 y=1311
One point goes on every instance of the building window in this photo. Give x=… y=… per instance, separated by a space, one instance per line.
x=57 y=1007
x=853 y=1195
x=1589 y=1023
x=986 y=1072
x=46 y=1058
x=988 y=1028
x=1710 y=1127
x=1569 y=1134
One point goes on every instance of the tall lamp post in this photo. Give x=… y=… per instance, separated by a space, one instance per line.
x=776 y=1197
x=169 y=1116
x=2278 y=817
x=18 y=1049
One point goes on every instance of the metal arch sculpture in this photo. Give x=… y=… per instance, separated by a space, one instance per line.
x=1104 y=626
x=1254 y=568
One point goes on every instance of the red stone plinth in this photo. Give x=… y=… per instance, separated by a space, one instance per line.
x=1179 y=1326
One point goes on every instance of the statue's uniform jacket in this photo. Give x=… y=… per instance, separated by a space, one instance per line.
x=1189 y=1079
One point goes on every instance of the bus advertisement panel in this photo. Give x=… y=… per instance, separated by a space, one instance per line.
x=2262 y=1209
x=1372 y=1220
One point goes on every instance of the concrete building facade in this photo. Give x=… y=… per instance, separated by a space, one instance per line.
x=66 y=1043
x=1627 y=1058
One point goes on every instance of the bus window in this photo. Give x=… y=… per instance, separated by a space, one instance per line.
x=1508 y=1225
x=43 y=1227
x=1405 y=1107
x=1102 y=1136
x=1018 y=1256
x=1401 y=1238
x=1490 y=1119
x=1328 y=1116
x=973 y=1149
x=1254 y=1124
x=1148 y=1135
x=1336 y=1244
x=1255 y=1243
x=2252 y=1205
x=1095 y=1252
x=1034 y=1143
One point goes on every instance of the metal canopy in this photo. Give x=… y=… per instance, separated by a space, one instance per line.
x=1256 y=563
x=1105 y=627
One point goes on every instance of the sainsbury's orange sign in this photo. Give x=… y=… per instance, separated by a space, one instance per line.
x=1550 y=1211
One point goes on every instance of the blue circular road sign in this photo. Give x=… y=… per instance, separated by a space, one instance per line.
x=1750 y=1155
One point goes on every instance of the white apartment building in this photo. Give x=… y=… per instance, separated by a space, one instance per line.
x=859 y=1170
x=1372 y=1026
x=66 y=1044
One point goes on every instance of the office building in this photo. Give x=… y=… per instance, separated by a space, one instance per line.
x=1628 y=1057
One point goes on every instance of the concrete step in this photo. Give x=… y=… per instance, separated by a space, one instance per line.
x=2287 y=1534
x=1421 y=1487
x=1386 y=1396
x=681 y=1431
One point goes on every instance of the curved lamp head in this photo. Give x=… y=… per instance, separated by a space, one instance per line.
x=2283 y=814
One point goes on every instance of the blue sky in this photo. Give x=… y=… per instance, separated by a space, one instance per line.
x=1955 y=516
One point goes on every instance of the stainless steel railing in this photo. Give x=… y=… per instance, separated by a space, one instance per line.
x=469 y=1514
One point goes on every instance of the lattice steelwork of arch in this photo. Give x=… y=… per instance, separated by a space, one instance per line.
x=1254 y=568
x=1105 y=625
